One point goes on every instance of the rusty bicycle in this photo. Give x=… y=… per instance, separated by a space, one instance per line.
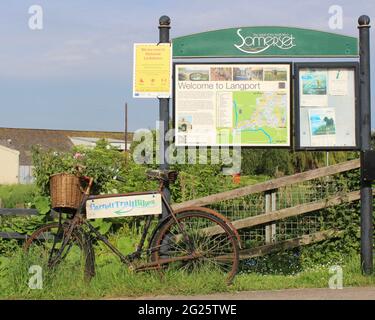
x=185 y=239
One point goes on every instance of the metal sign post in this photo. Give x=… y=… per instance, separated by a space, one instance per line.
x=164 y=26
x=365 y=127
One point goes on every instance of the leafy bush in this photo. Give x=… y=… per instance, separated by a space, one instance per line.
x=345 y=217
x=273 y=162
x=99 y=163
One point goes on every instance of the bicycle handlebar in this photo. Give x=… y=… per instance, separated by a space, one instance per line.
x=90 y=180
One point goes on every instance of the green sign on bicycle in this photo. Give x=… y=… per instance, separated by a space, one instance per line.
x=124 y=206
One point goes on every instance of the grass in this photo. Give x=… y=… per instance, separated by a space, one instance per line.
x=114 y=280
x=16 y=194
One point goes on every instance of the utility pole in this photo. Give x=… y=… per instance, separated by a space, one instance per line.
x=126 y=127
x=126 y=135
x=365 y=127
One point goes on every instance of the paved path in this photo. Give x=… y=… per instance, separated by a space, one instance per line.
x=360 y=293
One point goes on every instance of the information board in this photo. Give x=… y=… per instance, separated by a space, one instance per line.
x=326 y=112
x=232 y=104
x=152 y=70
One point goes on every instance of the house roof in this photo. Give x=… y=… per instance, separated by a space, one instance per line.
x=24 y=139
x=91 y=142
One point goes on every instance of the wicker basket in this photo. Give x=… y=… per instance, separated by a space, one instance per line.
x=65 y=191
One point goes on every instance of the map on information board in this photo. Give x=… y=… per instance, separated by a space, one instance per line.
x=232 y=104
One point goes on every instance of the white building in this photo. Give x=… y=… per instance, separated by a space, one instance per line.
x=9 y=165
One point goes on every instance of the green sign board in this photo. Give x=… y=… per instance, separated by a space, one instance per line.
x=265 y=42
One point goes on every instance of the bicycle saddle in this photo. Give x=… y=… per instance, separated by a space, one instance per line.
x=165 y=175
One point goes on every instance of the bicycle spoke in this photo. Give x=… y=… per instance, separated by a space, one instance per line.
x=49 y=247
x=218 y=251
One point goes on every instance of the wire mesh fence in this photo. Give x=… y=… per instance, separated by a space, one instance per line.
x=289 y=196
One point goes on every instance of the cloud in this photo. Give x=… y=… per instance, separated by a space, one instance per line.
x=94 y=40
x=120 y=48
x=66 y=58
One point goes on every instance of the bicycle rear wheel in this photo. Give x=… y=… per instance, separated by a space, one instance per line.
x=198 y=240
x=43 y=248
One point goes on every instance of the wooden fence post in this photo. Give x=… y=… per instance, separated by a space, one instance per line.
x=270 y=206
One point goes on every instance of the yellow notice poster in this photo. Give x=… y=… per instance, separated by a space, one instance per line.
x=152 y=70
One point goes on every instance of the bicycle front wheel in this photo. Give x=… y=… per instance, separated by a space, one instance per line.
x=197 y=240
x=44 y=248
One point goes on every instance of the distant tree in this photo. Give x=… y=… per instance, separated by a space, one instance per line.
x=251 y=161
x=276 y=162
x=269 y=162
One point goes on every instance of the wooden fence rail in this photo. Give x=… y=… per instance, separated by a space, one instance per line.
x=289 y=212
x=13 y=235
x=289 y=244
x=18 y=212
x=271 y=184
x=270 y=215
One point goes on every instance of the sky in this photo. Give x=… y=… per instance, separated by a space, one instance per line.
x=77 y=72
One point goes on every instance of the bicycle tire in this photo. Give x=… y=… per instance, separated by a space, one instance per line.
x=165 y=243
x=43 y=251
